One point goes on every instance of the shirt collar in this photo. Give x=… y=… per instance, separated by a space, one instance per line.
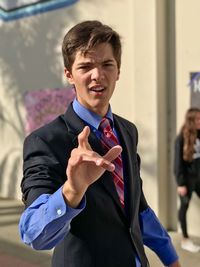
x=89 y=116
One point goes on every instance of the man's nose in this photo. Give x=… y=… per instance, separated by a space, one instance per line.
x=97 y=74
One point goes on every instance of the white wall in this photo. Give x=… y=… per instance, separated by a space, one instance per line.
x=145 y=98
x=30 y=59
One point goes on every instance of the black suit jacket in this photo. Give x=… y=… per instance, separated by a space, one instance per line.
x=103 y=234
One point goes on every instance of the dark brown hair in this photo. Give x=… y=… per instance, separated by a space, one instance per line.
x=86 y=35
x=189 y=133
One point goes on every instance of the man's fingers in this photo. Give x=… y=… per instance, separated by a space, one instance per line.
x=90 y=157
x=106 y=161
x=105 y=164
x=96 y=160
x=113 y=153
x=83 y=138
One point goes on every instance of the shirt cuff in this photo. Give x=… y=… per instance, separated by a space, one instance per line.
x=57 y=206
x=47 y=216
x=167 y=254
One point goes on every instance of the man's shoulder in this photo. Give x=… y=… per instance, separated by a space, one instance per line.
x=56 y=126
x=124 y=121
x=50 y=130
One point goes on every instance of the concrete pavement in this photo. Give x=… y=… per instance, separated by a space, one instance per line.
x=13 y=253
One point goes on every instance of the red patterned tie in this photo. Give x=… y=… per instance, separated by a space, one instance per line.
x=108 y=140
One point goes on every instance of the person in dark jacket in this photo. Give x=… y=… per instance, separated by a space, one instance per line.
x=187 y=170
x=81 y=183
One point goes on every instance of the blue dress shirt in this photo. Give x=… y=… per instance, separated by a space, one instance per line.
x=55 y=215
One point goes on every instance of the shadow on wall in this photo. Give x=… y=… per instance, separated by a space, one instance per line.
x=42 y=106
x=10 y=150
x=30 y=52
x=30 y=59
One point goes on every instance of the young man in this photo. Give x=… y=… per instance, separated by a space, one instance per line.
x=81 y=184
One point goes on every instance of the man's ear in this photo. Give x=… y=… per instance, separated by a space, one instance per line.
x=69 y=76
x=118 y=74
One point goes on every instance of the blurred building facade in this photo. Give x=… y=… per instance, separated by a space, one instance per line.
x=160 y=51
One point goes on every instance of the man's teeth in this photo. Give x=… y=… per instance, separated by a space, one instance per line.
x=98 y=89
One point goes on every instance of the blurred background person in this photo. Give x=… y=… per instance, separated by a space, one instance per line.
x=187 y=170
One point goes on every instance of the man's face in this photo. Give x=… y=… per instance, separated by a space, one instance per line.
x=94 y=76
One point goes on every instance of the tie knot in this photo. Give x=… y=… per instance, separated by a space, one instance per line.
x=105 y=127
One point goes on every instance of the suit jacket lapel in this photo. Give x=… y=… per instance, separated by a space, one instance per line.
x=130 y=165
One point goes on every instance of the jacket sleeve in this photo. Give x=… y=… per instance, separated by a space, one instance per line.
x=42 y=172
x=143 y=202
x=46 y=219
x=179 y=163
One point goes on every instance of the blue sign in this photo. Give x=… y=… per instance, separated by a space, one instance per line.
x=195 y=89
x=11 y=10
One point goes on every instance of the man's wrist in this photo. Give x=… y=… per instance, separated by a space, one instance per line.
x=71 y=197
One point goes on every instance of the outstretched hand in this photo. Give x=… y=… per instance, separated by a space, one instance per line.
x=85 y=166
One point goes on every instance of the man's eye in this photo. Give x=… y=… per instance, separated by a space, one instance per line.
x=108 y=64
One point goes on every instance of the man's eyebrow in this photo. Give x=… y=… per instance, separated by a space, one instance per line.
x=85 y=63
x=91 y=62
x=110 y=60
